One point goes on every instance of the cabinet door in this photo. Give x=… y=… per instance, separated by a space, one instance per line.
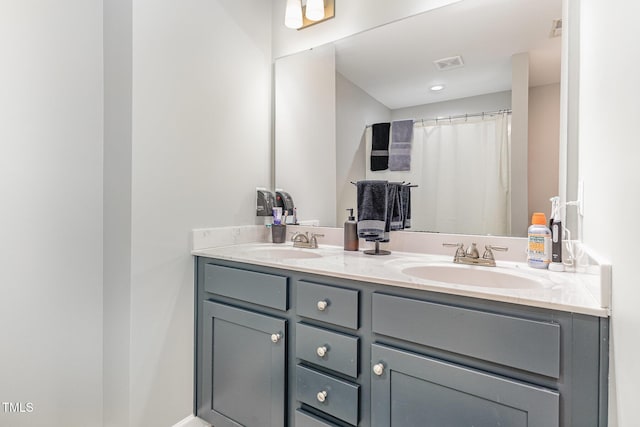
x=243 y=372
x=410 y=390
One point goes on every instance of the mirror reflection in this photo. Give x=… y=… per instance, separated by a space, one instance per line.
x=476 y=173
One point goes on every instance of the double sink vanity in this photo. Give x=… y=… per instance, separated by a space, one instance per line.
x=324 y=337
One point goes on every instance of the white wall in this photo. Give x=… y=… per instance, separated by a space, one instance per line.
x=117 y=210
x=305 y=132
x=473 y=104
x=519 y=144
x=187 y=127
x=569 y=113
x=200 y=145
x=355 y=109
x=609 y=156
x=51 y=211
x=351 y=17
x=543 y=146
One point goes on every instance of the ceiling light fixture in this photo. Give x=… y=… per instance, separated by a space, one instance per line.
x=436 y=88
x=314 y=10
x=301 y=14
x=293 y=14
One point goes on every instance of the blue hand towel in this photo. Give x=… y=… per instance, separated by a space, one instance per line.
x=372 y=210
x=400 y=148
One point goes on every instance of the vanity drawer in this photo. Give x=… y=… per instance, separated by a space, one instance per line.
x=305 y=419
x=328 y=394
x=340 y=350
x=259 y=288
x=330 y=304
x=529 y=345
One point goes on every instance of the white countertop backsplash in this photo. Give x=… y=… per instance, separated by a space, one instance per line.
x=586 y=291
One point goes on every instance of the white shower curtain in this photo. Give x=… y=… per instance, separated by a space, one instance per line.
x=462 y=169
x=464 y=184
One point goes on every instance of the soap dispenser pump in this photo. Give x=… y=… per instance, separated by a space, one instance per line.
x=351 y=241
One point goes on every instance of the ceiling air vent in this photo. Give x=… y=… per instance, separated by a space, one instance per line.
x=556 y=28
x=449 y=63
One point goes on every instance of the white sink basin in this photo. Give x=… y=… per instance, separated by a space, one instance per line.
x=287 y=252
x=487 y=277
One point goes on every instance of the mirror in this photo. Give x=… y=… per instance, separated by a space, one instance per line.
x=326 y=97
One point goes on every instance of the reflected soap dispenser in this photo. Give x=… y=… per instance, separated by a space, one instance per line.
x=351 y=242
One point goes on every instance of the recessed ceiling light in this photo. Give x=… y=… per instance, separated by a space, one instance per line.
x=436 y=88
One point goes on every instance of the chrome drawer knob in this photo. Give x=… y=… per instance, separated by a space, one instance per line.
x=378 y=369
x=321 y=396
x=322 y=305
x=275 y=338
x=322 y=351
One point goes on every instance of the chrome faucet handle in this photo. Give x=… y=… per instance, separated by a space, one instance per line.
x=299 y=237
x=453 y=245
x=314 y=241
x=459 y=252
x=488 y=254
x=472 y=252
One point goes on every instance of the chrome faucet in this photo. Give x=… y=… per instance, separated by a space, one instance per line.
x=301 y=240
x=459 y=252
x=471 y=256
x=472 y=252
x=488 y=253
x=314 y=240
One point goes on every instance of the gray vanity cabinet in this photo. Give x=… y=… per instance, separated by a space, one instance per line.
x=410 y=389
x=241 y=346
x=284 y=348
x=244 y=367
x=415 y=389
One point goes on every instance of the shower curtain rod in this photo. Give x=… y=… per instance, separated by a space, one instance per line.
x=459 y=116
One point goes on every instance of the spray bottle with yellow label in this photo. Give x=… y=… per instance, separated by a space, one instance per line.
x=539 y=247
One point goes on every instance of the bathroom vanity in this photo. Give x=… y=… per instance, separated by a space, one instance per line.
x=303 y=338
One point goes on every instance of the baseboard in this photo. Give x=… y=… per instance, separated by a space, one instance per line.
x=192 y=421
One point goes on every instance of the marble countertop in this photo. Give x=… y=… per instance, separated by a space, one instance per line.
x=571 y=292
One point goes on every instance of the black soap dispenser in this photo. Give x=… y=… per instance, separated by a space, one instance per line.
x=351 y=241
